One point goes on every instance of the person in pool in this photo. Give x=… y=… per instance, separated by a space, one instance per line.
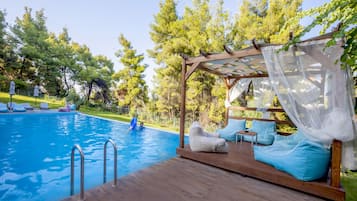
x=141 y=125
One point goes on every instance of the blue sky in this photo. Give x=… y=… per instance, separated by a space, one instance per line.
x=98 y=24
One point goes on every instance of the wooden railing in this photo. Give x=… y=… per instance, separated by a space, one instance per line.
x=273 y=110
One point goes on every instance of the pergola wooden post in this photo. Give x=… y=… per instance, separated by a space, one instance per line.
x=226 y=81
x=335 y=163
x=183 y=103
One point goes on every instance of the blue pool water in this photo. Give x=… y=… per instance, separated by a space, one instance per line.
x=35 y=152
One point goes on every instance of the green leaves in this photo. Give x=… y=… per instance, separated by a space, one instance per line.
x=32 y=55
x=328 y=15
x=266 y=20
x=131 y=87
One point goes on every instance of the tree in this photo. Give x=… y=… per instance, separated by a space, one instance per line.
x=198 y=29
x=200 y=84
x=328 y=15
x=30 y=36
x=94 y=73
x=8 y=58
x=132 y=89
x=168 y=37
x=218 y=28
x=62 y=57
x=264 y=20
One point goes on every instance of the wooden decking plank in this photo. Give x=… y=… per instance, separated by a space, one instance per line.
x=240 y=159
x=180 y=179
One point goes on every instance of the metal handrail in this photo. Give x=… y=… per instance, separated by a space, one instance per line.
x=76 y=146
x=115 y=161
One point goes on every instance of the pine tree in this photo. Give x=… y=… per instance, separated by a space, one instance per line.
x=94 y=73
x=30 y=36
x=8 y=58
x=167 y=34
x=196 y=30
x=264 y=20
x=132 y=89
x=62 y=57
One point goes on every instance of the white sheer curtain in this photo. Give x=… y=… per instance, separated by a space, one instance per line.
x=314 y=92
x=237 y=90
x=263 y=95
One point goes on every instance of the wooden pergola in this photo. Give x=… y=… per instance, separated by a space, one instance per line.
x=233 y=66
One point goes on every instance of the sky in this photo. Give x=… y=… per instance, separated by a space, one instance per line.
x=98 y=24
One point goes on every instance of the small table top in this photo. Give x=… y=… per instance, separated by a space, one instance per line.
x=247 y=133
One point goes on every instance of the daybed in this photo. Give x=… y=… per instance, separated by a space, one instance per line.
x=296 y=155
x=203 y=141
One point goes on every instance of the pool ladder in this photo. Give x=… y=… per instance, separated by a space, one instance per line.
x=115 y=162
x=76 y=146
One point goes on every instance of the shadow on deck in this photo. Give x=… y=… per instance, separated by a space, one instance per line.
x=240 y=159
x=181 y=179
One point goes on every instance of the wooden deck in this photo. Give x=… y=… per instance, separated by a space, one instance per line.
x=181 y=179
x=240 y=160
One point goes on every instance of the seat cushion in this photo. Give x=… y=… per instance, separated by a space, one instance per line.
x=266 y=130
x=200 y=142
x=229 y=132
x=307 y=161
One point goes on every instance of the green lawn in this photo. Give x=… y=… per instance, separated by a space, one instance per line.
x=114 y=116
x=52 y=103
x=349 y=183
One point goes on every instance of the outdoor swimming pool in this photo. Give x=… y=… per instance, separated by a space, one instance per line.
x=35 y=152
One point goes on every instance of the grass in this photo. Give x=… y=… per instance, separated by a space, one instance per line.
x=35 y=102
x=114 y=116
x=97 y=112
x=349 y=183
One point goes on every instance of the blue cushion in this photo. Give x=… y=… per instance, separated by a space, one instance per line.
x=266 y=130
x=307 y=161
x=291 y=140
x=233 y=126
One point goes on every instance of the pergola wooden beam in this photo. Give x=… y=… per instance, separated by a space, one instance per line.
x=251 y=51
x=192 y=69
x=255 y=45
x=227 y=49
x=235 y=81
x=221 y=56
